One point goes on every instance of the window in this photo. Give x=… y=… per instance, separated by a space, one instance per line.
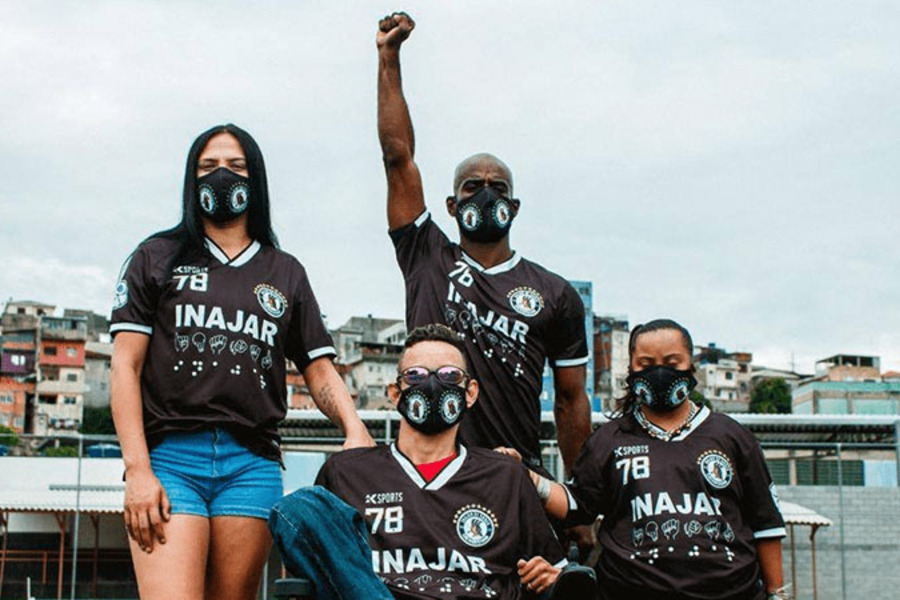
x=72 y=377
x=18 y=360
x=729 y=375
x=825 y=472
x=70 y=400
x=47 y=399
x=7 y=399
x=50 y=350
x=72 y=352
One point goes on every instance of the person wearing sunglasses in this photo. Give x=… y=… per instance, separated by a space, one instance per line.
x=424 y=517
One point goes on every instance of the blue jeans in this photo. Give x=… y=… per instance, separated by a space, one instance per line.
x=208 y=473
x=324 y=539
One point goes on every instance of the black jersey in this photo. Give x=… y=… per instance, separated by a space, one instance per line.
x=456 y=537
x=219 y=332
x=678 y=516
x=512 y=317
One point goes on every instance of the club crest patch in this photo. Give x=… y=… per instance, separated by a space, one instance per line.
x=451 y=406
x=207 y=199
x=271 y=300
x=121 y=297
x=502 y=216
x=417 y=408
x=716 y=468
x=470 y=217
x=475 y=525
x=526 y=301
x=238 y=197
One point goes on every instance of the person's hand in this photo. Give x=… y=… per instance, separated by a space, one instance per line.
x=147 y=508
x=358 y=438
x=393 y=31
x=509 y=452
x=537 y=574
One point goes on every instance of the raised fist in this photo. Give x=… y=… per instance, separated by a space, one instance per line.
x=393 y=30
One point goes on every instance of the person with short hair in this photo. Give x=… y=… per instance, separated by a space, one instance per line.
x=426 y=516
x=512 y=314
x=689 y=508
x=205 y=316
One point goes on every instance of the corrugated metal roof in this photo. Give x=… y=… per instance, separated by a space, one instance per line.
x=794 y=514
x=62 y=501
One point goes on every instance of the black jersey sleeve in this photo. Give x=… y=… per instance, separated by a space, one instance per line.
x=567 y=339
x=137 y=293
x=417 y=243
x=588 y=489
x=538 y=537
x=759 y=504
x=307 y=338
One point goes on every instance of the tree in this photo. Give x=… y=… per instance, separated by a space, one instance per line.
x=700 y=400
x=8 y=436
x=97 y=421
x=771 y=396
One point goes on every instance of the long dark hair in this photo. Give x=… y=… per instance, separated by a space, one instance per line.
x=625 y=405
x=189 y=232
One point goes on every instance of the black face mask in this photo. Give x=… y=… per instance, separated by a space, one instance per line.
x=223 y=195
x=484 y=217
x=661 y=388
x=433 y=406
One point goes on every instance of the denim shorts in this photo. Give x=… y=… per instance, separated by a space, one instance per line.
x=208 y=473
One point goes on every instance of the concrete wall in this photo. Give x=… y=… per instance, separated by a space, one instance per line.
x=871 y=543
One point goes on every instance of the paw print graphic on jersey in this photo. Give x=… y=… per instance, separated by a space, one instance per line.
x=238 y=347
x=199 y=341
x=728 y=533
x=637 y=536
x=266 y=362
x=182 y=342
x=217 y=343
x=255 y=351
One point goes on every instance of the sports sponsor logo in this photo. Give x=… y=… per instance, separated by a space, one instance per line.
x=716 y=468
x=271 y=300
x=121 y=297
x=475 y=525
x=526 y=301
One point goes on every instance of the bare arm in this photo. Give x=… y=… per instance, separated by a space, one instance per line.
x=332 y=398
x=146 y=502
x=572 y=411
x=769 y=551
x=406 y=200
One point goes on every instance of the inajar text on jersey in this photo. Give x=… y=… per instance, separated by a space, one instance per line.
x=499 y=323
x=650 y=505
x=403 y=560
x=199 y=315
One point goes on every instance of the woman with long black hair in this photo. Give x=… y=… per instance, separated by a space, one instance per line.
x=205 y=316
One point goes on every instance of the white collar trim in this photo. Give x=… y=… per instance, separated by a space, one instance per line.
x=701 y=416
x=443 y=477
x=241 y=259
x=503 y=267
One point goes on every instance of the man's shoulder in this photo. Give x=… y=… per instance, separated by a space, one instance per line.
x=357 y=457
x=500 y=464
x=549 y=280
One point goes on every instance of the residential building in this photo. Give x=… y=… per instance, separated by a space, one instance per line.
x=43 y=366
x=368 y=351
x=97 y=359
x=611 y=334
x=723 y=377
x=585 y=292
x=847 y=384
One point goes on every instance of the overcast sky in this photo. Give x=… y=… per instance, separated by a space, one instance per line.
x=733 y=165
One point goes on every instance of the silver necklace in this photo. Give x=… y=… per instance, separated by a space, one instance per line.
x=655 y=431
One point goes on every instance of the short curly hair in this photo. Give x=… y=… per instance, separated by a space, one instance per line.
x=435 y=332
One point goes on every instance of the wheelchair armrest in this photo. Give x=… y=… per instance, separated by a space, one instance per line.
x=295 y=587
